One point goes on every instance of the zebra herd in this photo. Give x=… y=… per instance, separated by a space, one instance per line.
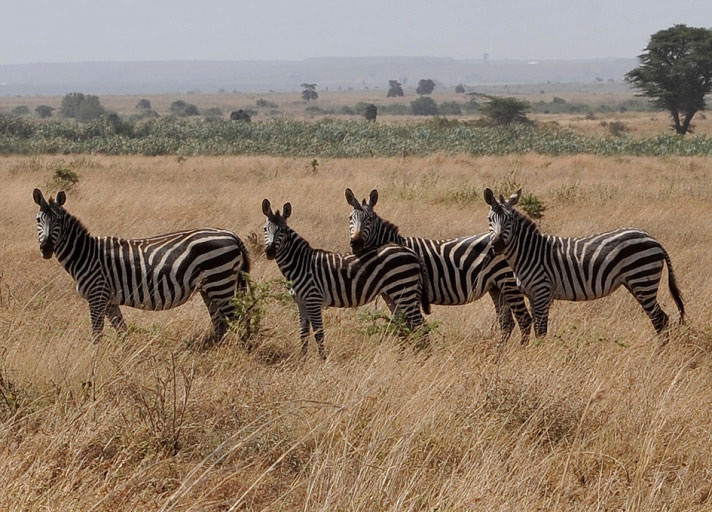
x=509 y=262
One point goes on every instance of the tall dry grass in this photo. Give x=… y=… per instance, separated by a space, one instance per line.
x=597 y=416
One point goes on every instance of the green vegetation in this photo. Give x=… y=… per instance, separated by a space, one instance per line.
x=44 y=111
x=180 y=108
x=323 y=138
x=81 y=107
x=424 y=106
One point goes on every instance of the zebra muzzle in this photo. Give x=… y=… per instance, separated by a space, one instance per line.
x=47 y=250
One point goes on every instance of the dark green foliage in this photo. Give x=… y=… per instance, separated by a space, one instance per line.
x=64 y=179
x=395 y=109
x=501 y=110
x=532 y=206
x=424 y=106
x=251 y=305
x=617 y=128
x=240 y=115
x=460 y=89
x=180 y=108
x=309 y=93
x=395 y=89
x=81 y=107
x=371 y=112
x=143 y=104
x=212 y=112
x=44 y=111
x=450 y=108
x=425 y=86
x=21 y=110
x=676 y=71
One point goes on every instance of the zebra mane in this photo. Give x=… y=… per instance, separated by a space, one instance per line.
x=387 y=225
x=79 y=227
x=525 y=220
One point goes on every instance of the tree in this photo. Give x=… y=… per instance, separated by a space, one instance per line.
x=395 y=89
x=240 y=115
x=676 y=71
x=425 y=86
x=424 y=107
x=143 y=104
x=371 y=112
x=44 y=111
x=309 y=93
x=500 y=110
x=81 y=107
x=460 y=89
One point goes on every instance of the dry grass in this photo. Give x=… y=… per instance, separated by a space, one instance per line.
x=597 y=416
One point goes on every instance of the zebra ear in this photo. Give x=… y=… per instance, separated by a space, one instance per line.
x=489 y=197
x=38 y=197
x=61 y=198
x=266 y=208
x=351 y=199
x=514 y=198
x=373 y=198
x=286 y=210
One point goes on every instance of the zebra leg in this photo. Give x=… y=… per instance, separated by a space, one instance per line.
x=389 y=302
x=649 y=302
x=113 y=313
x=304 y=328
x=220 y=312
x=98 y=299
x=540 y=305
x=504 y=315
x=314 y=309
x=514 y=298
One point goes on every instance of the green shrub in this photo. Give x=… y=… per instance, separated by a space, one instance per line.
x=617 y=128
x=44 y=111
x=532 y=205
x=21 y=110
x=262 y=103
x=180 y=108
x=449 y=108
x=64 y=179
x=81 y=107
x=424 y=106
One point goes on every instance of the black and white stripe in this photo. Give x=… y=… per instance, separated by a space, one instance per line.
x=322 y=279
x=584 y=268
x=155 y=273
x=459 y=270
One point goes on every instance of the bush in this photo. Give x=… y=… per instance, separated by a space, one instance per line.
x=212 y=112
x=240 y=115
x=371 y=112
x=460 y=89
x=425 y=86
x=262 y=103
x=21 y=110
x=450 y=108
x=617 y=128
x=501 y=111
x=44 y=111
x=64 y=179
x=395 y=109
x=81 y=107
x=533 y=206
x=143 y=104
x=180 y=108
x=424 y=106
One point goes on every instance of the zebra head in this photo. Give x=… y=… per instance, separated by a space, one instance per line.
x=49 y=221
x=361 y=220
x=501 y=219
x=275 y=228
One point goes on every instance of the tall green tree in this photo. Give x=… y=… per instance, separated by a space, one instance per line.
x=395 y=89
x=309 y=93
x=676 y=71
x=425 y=86
x=502 y=110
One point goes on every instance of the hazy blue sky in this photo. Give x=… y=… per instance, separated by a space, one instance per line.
x=98 y=30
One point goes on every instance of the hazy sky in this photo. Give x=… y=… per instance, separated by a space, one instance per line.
x=121 y=30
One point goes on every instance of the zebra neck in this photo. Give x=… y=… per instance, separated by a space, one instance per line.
x=387 y=232
x=294 y=253
x=527 y=242
x=76 y=250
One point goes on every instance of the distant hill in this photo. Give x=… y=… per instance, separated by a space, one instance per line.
x=333 y=73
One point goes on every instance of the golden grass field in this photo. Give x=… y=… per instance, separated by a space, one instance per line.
x=599 y=415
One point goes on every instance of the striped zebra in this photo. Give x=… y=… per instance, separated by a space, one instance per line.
x=583 y=268
x=322 y=279
x=459 y=270
x=148 y=273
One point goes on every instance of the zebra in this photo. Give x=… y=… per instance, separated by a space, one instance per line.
x=322 y=279
x=155 y=273
x=584 y=268
x=459 y=270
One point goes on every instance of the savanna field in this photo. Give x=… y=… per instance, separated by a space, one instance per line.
x=599 y=415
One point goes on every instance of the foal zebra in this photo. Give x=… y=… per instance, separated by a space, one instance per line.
x=148 y=273
x=584 y=268
x=460 y=270
x=323 y=279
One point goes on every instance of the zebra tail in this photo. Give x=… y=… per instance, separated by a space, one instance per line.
x=674 y=290
x=424 y=279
